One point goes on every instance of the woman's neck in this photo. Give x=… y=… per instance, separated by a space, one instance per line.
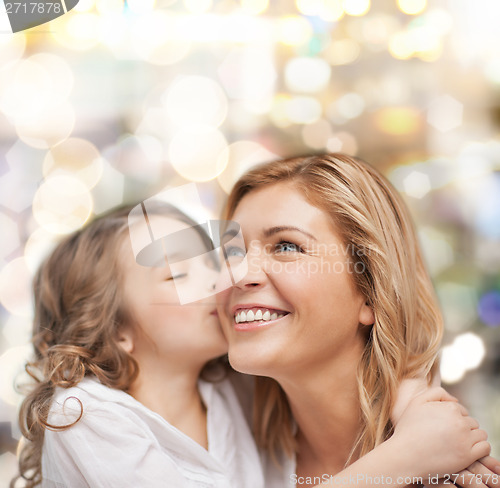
x=325 y=406
x=173 y=394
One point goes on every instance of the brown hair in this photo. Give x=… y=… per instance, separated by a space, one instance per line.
x=375 y=224
x=79 y=309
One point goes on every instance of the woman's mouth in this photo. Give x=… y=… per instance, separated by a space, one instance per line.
x=257 y=315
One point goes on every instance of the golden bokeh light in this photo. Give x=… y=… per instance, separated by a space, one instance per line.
x=62 y=204
x=412 y=7
x=198 y=6
x=357 y=7
x=294 y=30
x=38 y=246
x=75 y=157
x=398 y=120
x=193 y=100
x=199 y=154
x=307 y=75
x=254 y=7
x=80 y=32
x=52 y=126
x=15 y=287
x=241 y=156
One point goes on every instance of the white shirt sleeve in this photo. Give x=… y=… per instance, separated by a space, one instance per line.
x=107 y=447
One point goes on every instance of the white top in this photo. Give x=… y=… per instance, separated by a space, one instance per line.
x=119 y=442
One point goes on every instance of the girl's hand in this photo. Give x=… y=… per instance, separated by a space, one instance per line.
x=438 y=435
x=481 y=474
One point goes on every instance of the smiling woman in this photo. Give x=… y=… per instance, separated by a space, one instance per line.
x=336 y=309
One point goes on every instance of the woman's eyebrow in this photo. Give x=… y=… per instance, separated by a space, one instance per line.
x=280 y=228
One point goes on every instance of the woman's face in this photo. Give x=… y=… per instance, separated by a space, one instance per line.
x=297 y=308
x=161 y=326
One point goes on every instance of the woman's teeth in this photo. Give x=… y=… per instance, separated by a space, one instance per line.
x=256 y=316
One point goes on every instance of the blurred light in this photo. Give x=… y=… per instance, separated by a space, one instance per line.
x=84 y=5
x=15 y=287
x=437 y=251
x=81 y=31
x=109 y=192
x=12 y=364
x=26 y=89
x=378 y=29
x=294 y=31
x=308 y=75
x=139 y=157
x=11 y=48
x=445 y=113
x=48 y=128
x=10 y=236
x=198 y=6
x=153 y=38
x=398 y=120
x=400 y=46
x=248 y=73
x=356 y=7
x=38 y=246
x=343 y=51
x=193 y=100
x=303 y=110
x=140 y=6
x=487 y=211
x=242 y=156
x=254 y=6
x=17 y=330
x=199 y=155
x=310 y=7
x=61 y=76
x=417 y=184
x=279 y=115
x=342 y=142
x=18 y=185
x=105 y=7
x=492 y=70
x=62 y=204
x=350 y=105
x=333 y=10
x=316 y=135
x=489 y=308
x=412 y=7
x=465 y=353
x=458 y=302
x=75 y=157
x=451 y=367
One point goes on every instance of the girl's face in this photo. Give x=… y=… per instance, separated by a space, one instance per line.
x=162 y=327
x=297 y=308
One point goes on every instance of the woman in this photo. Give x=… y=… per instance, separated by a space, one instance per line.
x=335 y=309
x=119 y=401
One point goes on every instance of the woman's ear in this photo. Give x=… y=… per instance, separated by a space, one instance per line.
x=126 y=339
x=366 y=315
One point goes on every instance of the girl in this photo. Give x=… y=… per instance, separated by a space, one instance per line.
x=119 y=401
x=336 y=308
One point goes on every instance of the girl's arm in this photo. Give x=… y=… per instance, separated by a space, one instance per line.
x=434 y=436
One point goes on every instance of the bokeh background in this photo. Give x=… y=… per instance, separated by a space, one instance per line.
x=116 y=100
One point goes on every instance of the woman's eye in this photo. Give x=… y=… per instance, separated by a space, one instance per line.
x=234 y=251
x=286 y=246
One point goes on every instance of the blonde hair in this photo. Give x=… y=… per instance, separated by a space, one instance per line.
x=79 y=309
x=376 y=226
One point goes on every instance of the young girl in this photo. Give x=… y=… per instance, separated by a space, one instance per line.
x=120 y=400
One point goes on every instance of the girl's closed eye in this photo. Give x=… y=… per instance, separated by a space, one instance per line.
x=177 y=276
